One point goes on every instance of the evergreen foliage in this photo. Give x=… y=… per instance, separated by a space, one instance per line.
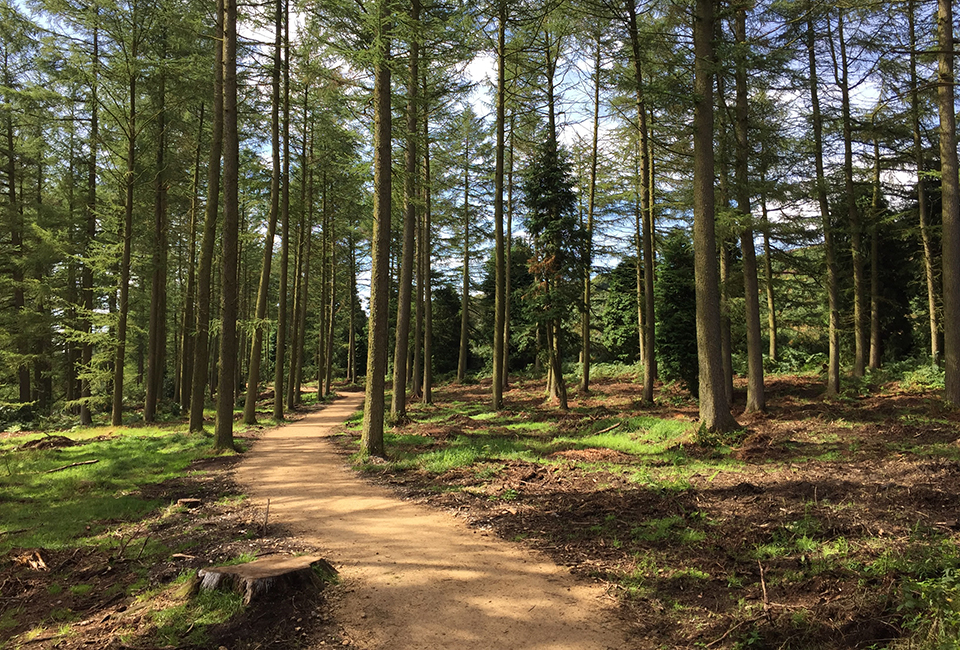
x=676 y=311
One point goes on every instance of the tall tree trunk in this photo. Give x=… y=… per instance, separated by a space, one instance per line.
x=16 y=240
x=726 y=246
x=499 y=261
x=157 y=346
x=465 y=281
x=767 y=261
x=304 y=237
x=714 y=408
x=427 y=267
x=127 y=236
x=202 y=355
x=227 y=382
x=331 y=309
x=508 y=260
x=189 y=326
x=833 y=291
x=371 y=440
x=646 y=208
x=282 y=310
x=256 y=347
x=922 y=208
x=398 y=406
x=853 y=213
x=756 y=400
x=591 y=207
x=874 y=362
x=950 y=203
x=325 y=268
x=86 y=275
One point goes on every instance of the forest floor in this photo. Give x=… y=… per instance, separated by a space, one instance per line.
x=822 y=524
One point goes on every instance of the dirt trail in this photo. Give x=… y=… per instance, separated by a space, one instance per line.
x=414 y=577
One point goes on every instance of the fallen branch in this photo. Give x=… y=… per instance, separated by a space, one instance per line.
x=83 y=462
x=608 y=429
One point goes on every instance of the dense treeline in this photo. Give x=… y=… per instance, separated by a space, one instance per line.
x=472 y=188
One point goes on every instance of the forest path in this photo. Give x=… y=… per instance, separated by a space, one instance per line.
x=412 y=577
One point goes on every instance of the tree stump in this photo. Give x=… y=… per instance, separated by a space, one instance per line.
x=267 y=575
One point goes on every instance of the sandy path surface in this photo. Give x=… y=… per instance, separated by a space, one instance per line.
x=414 y=577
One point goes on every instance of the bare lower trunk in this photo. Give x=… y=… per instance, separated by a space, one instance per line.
x=714 y=407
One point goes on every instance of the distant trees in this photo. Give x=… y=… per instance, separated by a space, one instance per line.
x=534 y=210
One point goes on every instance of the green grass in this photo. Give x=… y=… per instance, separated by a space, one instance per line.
x=189 y=622
x=52 y=510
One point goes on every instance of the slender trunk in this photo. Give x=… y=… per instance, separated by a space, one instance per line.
x=325 y=268
x=427 y=277
x=201 y=358
x=398 y=407
x=416 y=381
x=302 y=266
x=227 y=382
x=756 y=400
x=725 y=245
x=833 y=291
x=127 y=236
x=189 y=325
x=157 y=345
x=500 y=286
x=256 y=347
x=714 y=408
x=646 y=208
x=372 y=436
x=328 y=354
x=19 y=296
x=853 y=213
x=767 y=261
x=282 y=310
x=508 y=260
x=591 y=207
x=922 y=208
x=465 y=281
x=874 y=362
x=86 y=276
x=950 y=203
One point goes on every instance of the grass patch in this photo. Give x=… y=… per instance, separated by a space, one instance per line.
x=52 y=509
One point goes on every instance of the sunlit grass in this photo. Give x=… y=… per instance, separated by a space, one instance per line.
x=52 y=509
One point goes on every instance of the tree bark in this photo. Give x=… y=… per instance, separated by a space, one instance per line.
x=756 y=400
x=398 y=406
x=157 y=346
x=465 y=280
x=591 y=206
x=256 y=347
x=123 y=305
x=427 y=258
x=922 y=208
x=500 y=269
x=371 y=440
x=833 y=291
x=714 y=408
x=950 y=201
x=853 y=213
x=86 y=275
x=204 y=272
x=227 y=382
x=282 y=309
x=648 y=318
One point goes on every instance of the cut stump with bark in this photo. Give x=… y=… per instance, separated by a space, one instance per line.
x=268 y=575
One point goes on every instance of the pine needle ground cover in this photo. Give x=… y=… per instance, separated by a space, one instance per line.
x=821 y=524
